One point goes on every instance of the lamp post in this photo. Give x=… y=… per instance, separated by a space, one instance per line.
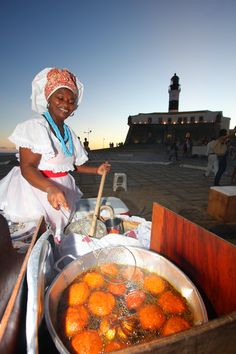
x=88 y=132
x=103 y=142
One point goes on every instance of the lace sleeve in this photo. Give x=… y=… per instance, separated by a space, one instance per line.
x=34 y=135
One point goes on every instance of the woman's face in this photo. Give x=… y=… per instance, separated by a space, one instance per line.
x=62 y=103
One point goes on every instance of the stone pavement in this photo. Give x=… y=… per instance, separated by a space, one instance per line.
x=180 y=185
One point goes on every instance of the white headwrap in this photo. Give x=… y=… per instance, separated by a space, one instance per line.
x=39 y=102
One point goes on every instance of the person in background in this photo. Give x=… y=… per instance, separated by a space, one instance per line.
x=221 y=149
x=233 y=156
x=232 y=153
x=187 y=146
x=212 y=160
x=86 y=144
x=47 y=150
x=174 y=151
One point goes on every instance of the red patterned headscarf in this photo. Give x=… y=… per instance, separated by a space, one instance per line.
x=47 y=81
x=58 y=78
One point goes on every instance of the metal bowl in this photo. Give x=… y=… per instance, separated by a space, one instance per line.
x=146 y=259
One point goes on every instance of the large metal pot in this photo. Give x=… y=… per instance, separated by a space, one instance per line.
x=144 y=259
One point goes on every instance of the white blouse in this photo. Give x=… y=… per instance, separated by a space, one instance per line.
x=36 y=135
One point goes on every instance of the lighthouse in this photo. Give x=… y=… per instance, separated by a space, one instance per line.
x=174 y=90
x=163 y=127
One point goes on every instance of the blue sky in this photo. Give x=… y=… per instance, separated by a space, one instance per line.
x=124 y=52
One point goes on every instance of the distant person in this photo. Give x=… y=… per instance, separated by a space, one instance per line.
x=233 y=175
x=48 y=150
x=232 y=149
x=212 y=159
x=187 y=147
x=174 y=148
x=205 y=140
x=86 y=144
x=221 y=148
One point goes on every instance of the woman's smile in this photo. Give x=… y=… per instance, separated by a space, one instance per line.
x=63 y=109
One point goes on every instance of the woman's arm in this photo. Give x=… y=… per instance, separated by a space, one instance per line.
x=94 y=170
x=29 y=162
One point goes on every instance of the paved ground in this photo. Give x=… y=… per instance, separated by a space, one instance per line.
x=180 y=186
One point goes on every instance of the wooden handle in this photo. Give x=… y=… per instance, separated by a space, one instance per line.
x=97 y=207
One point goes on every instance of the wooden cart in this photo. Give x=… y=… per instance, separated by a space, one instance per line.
x=210 y=262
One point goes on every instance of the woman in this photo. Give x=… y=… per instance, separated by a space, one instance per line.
x=47 y=150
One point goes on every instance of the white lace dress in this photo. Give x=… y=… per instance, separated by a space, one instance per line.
x=20 y=201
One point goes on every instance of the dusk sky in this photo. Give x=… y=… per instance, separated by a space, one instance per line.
x=125 y=53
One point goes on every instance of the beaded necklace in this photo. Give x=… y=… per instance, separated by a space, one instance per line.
x=67 y=135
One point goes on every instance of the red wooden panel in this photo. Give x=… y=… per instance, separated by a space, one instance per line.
x=208 y=260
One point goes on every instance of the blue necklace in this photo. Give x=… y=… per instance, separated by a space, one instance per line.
x=67 y=135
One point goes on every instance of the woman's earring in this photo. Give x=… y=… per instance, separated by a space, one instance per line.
x=48 y=105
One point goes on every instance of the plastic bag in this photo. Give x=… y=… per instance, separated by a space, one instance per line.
x=142 y=230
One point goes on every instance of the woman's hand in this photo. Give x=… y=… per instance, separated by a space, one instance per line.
x=29 y=162
x=104 y=167
x=56 y=198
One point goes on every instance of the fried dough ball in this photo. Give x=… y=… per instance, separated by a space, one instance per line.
x=174 y=325
x=113 y=346
x=87 y=342
x=135 y=299
x=116 y=288
x=101 y=303
x=154 y=284
x=109 y=269
x=94 y=280
x=133 y=273
x=75 y=319
x=78 y=293
x=151 y=316
x=108 y=326
x=171 y=302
